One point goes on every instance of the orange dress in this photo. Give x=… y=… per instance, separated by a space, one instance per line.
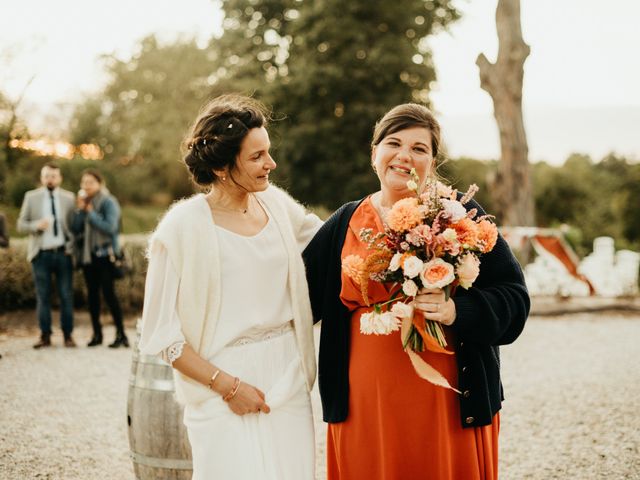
x=400 y=427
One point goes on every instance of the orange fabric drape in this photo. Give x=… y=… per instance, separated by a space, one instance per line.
x=555 y=247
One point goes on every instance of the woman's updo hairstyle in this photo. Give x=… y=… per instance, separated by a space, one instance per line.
x=408 y=115
x=215 y=138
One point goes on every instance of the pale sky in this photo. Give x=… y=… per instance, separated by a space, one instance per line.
x=581 y=89
x=584 y=53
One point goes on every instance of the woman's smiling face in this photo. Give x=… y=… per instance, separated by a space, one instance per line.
x=398 y=153
x=253 y=163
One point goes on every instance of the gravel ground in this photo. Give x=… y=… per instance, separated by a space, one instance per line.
x=572 y=385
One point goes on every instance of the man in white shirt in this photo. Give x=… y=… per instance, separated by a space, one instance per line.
x=45 y=215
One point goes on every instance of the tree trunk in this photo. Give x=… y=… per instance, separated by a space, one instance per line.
x=512 y=188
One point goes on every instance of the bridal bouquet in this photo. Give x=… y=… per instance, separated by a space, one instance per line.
x=429 y=241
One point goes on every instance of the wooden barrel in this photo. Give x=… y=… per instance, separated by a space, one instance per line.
x=158 y=443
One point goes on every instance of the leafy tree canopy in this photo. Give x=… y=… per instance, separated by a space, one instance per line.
x=328 y=68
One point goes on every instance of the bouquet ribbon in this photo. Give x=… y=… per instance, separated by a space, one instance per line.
x=422 y=368
x=429 y=342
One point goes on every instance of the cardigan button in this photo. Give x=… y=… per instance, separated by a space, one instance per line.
x=469 y=420
x=464 y=369
x=462 y=344
x=466 y=394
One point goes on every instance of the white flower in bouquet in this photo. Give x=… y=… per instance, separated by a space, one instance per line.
x=402 y=310
x=409 y=288
x=367 y=323
x=394 y=264
x=378 y=323
x=387 y=323
x=450 y=235
x=412 y=266
x=444 y=190
x=454 y=209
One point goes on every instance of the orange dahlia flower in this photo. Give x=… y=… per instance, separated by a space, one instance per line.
x=487 y=234
x=467 y=231
x=404 y=215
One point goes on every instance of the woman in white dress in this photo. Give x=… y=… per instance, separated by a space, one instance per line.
x=226 y=304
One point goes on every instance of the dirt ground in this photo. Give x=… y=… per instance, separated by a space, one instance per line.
x=572 y=387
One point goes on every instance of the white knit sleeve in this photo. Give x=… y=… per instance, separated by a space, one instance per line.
x=161 y=330
x=305 y=224
x=308 y=228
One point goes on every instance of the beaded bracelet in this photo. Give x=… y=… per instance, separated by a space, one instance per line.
x=234 y=390
x=213 y=378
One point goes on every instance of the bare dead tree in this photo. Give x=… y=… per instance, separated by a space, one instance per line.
x=512 y=188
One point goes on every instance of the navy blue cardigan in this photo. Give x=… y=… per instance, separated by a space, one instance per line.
x=491 y=313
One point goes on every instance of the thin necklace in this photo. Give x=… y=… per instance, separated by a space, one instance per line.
x=238 y=210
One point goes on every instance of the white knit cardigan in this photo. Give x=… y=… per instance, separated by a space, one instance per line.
x=187 y=232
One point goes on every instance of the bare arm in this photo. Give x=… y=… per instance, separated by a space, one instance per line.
x=248 y=399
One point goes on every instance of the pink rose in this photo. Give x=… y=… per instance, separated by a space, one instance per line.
x=437 y=274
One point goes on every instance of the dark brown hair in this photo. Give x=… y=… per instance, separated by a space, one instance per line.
x=94 y=173
x=214 y=140
x=408 y=115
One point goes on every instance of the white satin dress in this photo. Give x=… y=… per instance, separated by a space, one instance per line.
x=254 y=340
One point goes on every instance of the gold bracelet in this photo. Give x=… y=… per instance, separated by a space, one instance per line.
x=234 y=390
x=213 y=378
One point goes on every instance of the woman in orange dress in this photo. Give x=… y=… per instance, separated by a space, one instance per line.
x=385 y=422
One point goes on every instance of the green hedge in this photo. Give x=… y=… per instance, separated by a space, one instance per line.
x=17 y=289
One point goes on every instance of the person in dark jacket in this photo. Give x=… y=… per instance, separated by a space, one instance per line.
x=385 y=421
x=96 y=225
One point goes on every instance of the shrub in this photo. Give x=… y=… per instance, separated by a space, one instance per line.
x=16 y=282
